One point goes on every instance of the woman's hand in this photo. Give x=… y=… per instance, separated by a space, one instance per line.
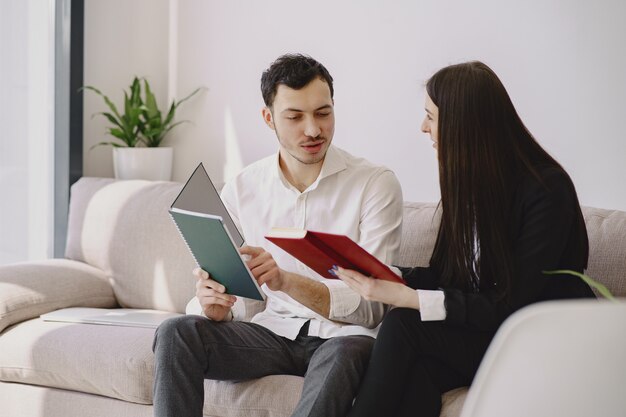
x=373 y=289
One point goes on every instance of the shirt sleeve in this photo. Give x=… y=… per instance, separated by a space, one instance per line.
x=432 y=305
x=380 y=229
x=194 y=307
x=380 y=225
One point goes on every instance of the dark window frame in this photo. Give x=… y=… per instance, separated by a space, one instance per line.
x=68 y=111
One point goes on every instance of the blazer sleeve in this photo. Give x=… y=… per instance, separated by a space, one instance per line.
x=547 y=214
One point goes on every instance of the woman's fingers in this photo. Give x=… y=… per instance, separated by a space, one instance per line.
x=352 y=278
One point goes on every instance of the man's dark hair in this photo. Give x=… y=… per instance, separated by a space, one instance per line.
x=295 y=71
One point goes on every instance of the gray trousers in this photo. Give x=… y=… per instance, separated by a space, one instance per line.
x=189 y=349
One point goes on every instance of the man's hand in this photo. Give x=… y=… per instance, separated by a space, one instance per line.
x=386 y=292
x=216 y=304
x=264 y=268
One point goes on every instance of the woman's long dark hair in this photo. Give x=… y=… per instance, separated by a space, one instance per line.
x=483 y=149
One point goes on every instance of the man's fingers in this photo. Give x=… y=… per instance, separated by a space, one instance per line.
x=253 y=251
x=204 y=301
x=263 y=278
x=211 y=284
x=200 y=273
x=207 y=293
x=259 y=268
x=265 y=259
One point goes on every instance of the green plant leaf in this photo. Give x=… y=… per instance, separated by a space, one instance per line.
x=135 y=92
x=175 y=104
x=108 y=102
x=115 y=145
x=127 y=126
x=150 y=102
x=172 y=126
x=170 y=114
x=118 y=133
x=111 y=118
x=604 y=291
x=193 y=93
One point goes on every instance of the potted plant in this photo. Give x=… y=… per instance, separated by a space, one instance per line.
x=141 y=129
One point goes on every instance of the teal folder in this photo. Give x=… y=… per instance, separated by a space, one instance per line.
x=214 y=251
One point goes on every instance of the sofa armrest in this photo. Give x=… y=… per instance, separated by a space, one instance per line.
x=30 y=289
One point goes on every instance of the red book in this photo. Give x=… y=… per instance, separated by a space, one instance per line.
x=320 y=251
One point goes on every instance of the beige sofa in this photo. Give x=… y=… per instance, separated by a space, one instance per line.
x=123 y=250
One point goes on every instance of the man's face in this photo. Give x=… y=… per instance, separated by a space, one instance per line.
x=304 y=121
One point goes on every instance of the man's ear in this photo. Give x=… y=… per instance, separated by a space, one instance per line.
x=268 y=118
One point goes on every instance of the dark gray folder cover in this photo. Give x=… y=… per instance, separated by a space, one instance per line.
x=200 y=195
x=214 y=251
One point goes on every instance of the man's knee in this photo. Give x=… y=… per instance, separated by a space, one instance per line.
x=348 y=351
x=174 y=330
x=351 y=346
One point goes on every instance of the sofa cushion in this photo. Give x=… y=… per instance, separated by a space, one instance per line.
x=607 y=248
x=112 y=361
x=452 y=402
x=420 y=225
x=270 y=396
x=32 y=288
x=123 y=228
x=22 y=400
x=118 y=362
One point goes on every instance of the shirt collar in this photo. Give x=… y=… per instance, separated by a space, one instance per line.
x=334 y=162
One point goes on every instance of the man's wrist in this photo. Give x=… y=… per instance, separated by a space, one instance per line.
x=286 y=281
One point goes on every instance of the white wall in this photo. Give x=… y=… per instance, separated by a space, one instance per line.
x=562 y=61
x=123 y=39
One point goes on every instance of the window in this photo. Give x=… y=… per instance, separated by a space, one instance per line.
x=27 y=40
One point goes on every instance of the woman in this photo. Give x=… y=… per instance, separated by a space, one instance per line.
x=509 y=212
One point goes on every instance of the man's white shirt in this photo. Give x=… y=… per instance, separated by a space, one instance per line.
x=351 y=196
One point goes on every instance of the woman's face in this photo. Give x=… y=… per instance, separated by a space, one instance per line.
x=429 y=125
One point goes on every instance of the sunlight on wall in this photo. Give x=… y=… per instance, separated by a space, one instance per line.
x=233 y=161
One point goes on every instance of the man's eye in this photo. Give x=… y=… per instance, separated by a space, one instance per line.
x=293 y=117
x=324 y=114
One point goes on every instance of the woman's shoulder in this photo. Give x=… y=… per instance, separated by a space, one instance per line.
x=547 y=182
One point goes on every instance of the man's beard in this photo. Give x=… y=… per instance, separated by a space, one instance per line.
x=297 y=158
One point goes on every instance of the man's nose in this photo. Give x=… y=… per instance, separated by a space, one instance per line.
x=312 y=129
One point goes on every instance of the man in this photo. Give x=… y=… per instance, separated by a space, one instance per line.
x=308 y=320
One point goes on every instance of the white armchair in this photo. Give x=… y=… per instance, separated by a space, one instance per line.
x=553 y=359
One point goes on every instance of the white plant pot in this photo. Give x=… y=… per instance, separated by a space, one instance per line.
x=153 y=164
